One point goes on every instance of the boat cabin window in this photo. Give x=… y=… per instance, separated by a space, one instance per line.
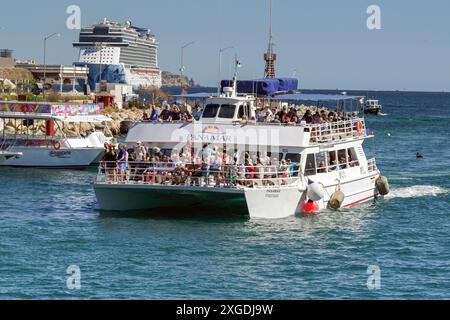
x=331 y=161
x=321 y=162
x=310 y=169
x=211 y=111
x=352 y=157
x=227 y=111
x=294 y=157
x=342 y=158
x=244 y=111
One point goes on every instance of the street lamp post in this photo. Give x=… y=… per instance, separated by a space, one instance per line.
x=56 y=34
x=221 y=51
x=182 y=67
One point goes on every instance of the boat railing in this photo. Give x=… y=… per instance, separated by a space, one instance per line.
x=331 y=132
x=323 y=133
x=372 y=165
x=198 y=175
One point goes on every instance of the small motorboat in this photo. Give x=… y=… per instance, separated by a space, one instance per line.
x=372 y=107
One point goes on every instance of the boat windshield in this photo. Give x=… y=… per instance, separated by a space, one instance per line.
x=211 y=111
x=227 y=111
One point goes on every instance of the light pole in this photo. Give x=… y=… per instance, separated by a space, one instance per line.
x=56 y=34
x=221 y=51
x=182 y=67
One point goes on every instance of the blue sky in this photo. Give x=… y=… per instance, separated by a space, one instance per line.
x=326 y=42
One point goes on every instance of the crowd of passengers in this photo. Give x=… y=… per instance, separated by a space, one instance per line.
x=295 y=116
x=289 y=115
x=211 y=166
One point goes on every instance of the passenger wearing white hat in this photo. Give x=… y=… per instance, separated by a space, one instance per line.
x=140 y=152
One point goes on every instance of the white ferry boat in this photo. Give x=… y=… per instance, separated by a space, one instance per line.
x=296 y=167
x=49 y=135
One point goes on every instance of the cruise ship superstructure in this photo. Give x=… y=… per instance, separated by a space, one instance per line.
x=119 y=53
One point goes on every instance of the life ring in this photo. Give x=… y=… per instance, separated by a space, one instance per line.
x=57 y=145
x=360 y=127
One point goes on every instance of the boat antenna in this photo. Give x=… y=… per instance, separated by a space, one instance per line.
x=270 y=57
x=237 y=65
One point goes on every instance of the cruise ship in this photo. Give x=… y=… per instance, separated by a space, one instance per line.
x=119 y=53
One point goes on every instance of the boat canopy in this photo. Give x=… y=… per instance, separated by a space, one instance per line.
x=263 y=87
x=316 y=97
x=48 y=108
x=62 y=118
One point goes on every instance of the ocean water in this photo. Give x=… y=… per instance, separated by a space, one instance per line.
x=49 y=221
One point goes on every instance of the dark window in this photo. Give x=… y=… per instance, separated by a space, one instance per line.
x=211 y=111
x=342 y=158
x=352 y=158
x=310 y=169
x=241 y=112
x=321 y=162
x=294 y=157
x=227 y=111
x=332 y=161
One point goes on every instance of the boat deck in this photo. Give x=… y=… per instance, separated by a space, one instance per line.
x=167 y=175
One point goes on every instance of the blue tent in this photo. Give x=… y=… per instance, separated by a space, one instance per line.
x=315 y=97
x=263 y=87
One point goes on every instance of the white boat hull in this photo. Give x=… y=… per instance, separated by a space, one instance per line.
x=357 y=191
x=256 y=203
x=50 y=158
x=273 y=203
x=5 y=155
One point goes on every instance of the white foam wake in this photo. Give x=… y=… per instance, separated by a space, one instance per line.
x=417 y=191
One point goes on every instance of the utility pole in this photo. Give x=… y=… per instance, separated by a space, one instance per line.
x=182 y=67
x=56 y=34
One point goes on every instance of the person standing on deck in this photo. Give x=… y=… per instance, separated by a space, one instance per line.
x=154 y=116
x=122 y=162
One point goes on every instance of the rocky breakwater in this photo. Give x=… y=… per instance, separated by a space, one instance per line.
x=122 y=120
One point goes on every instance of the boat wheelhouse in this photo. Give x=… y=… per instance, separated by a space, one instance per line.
x=229 y=160
x=51 y=135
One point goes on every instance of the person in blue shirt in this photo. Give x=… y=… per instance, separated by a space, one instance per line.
x=155 y=114
x=122 y=162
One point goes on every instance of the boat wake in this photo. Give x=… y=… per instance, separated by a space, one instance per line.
x=383 y=114
x=417 y=191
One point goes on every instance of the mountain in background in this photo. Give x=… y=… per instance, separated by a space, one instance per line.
x=173 y=80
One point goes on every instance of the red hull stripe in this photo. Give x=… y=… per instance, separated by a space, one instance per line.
x=360 y=201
